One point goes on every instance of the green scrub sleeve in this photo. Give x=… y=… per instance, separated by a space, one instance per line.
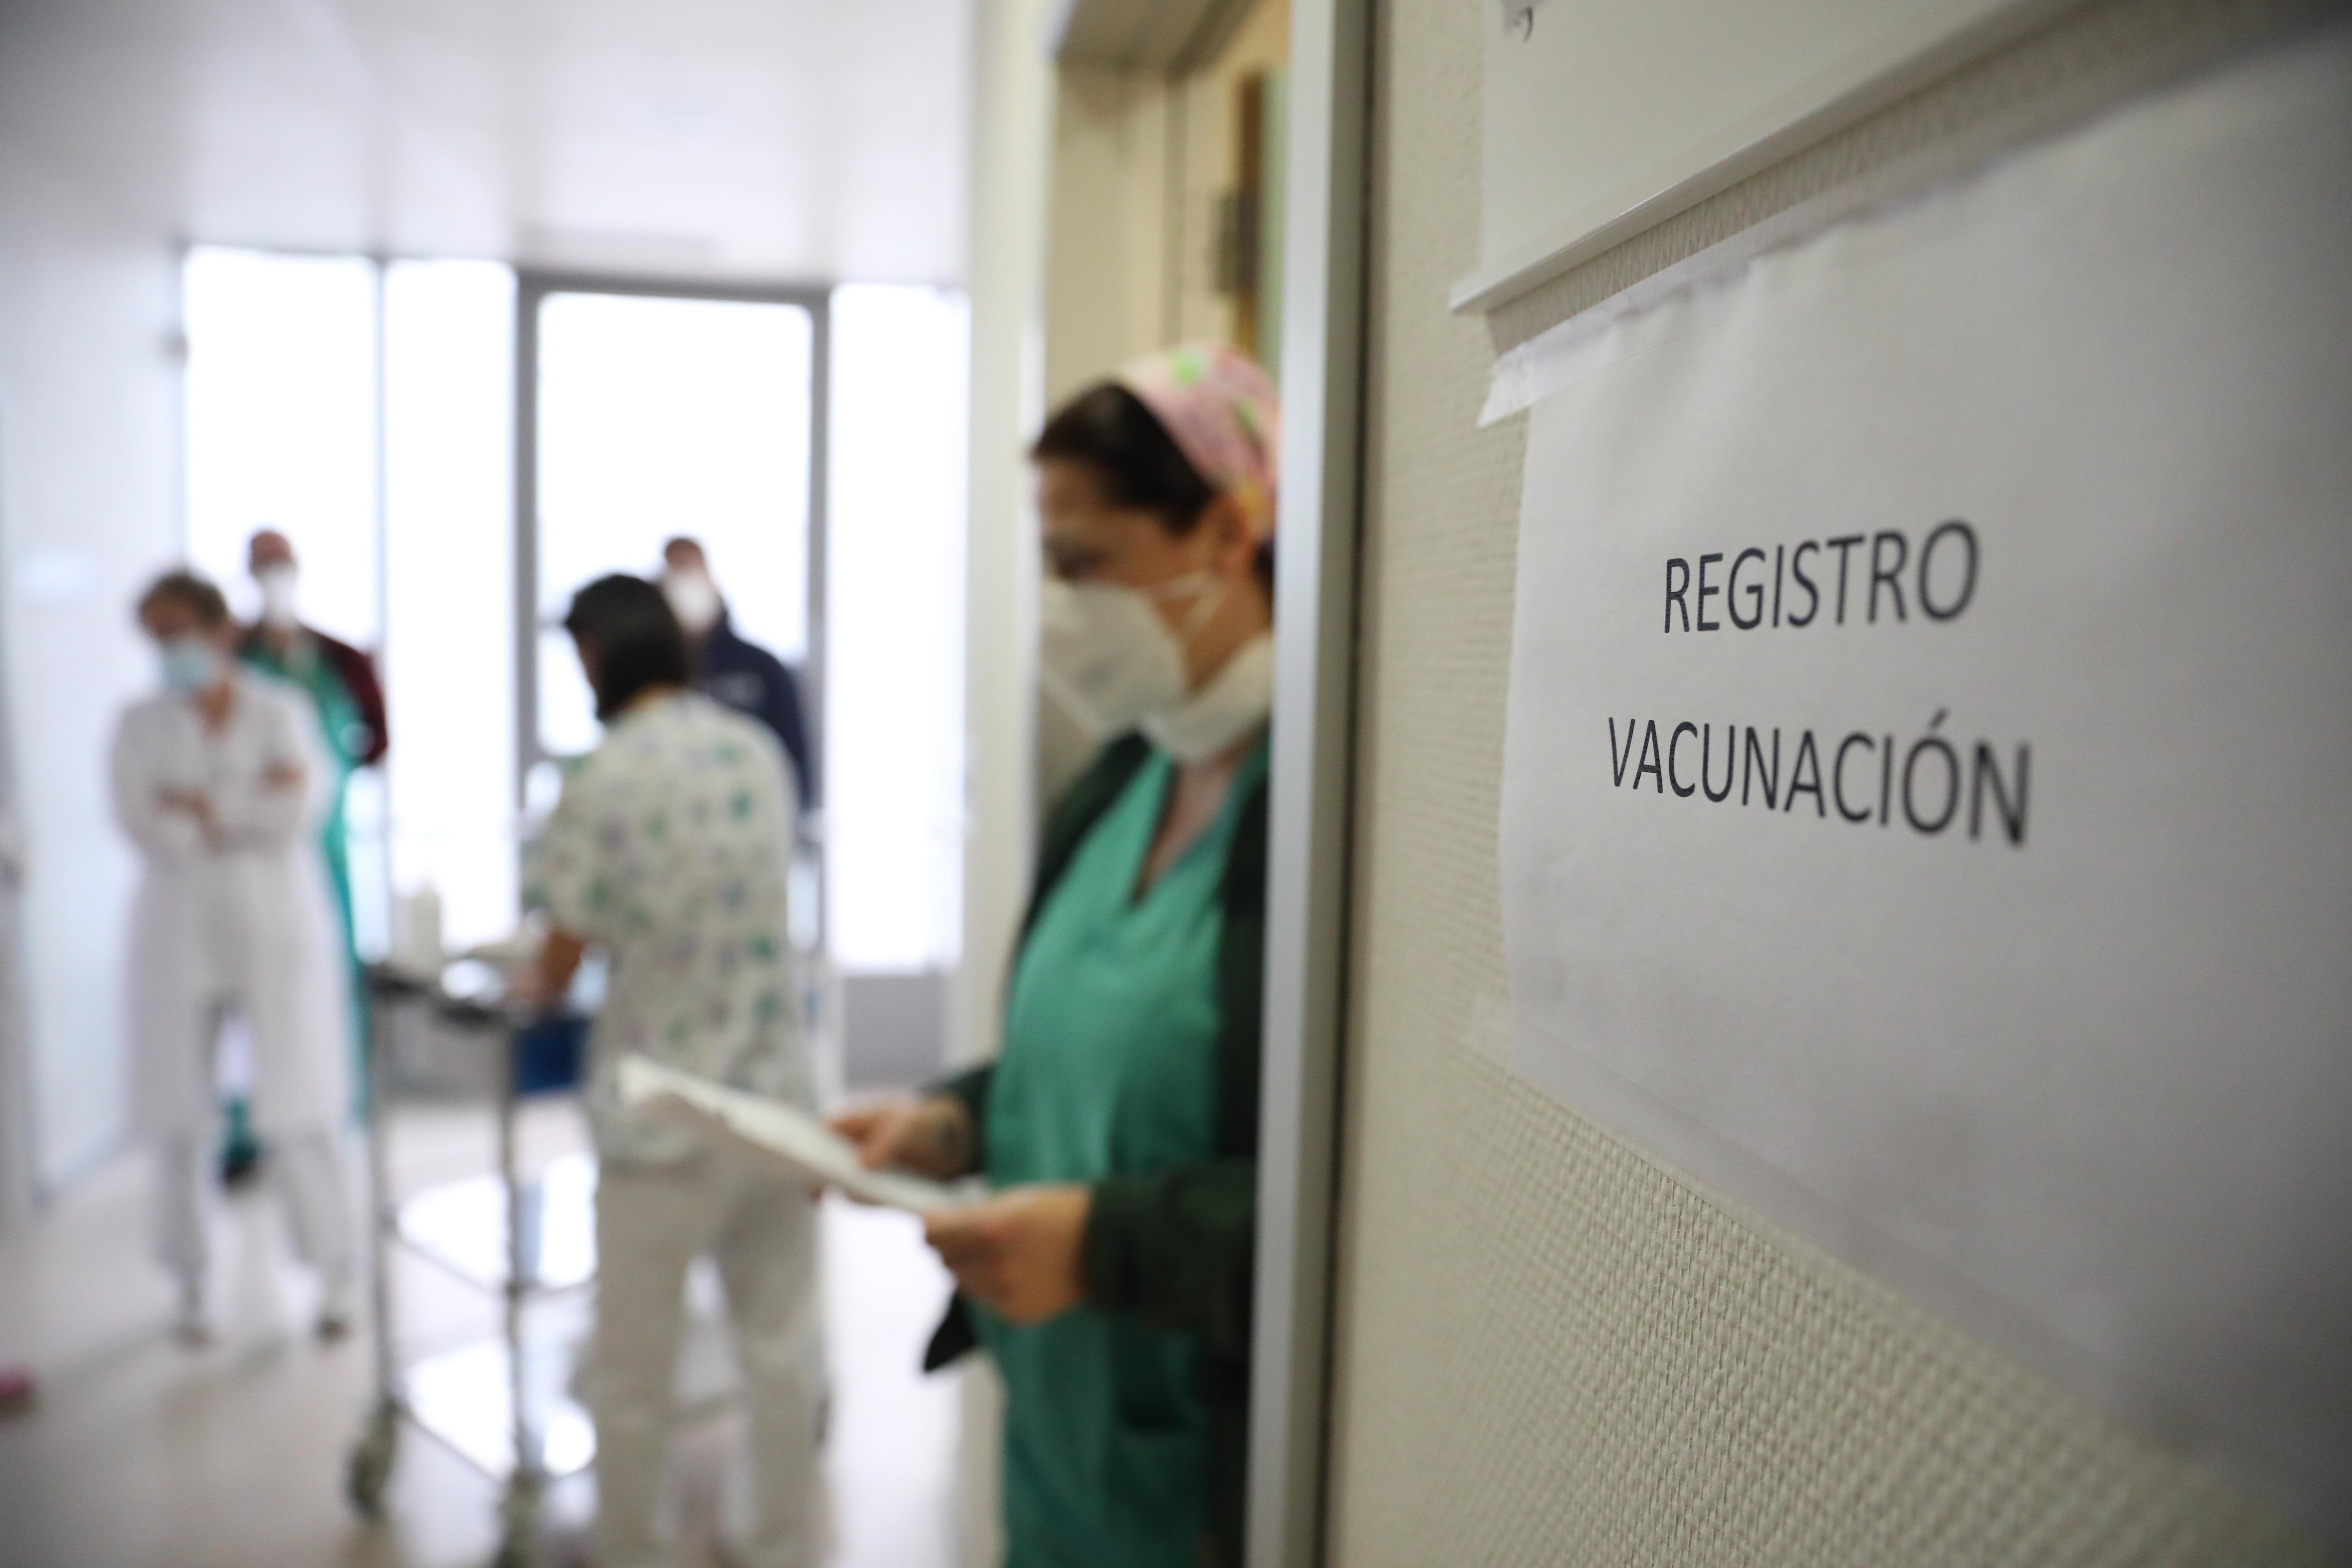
x=1176 y=1250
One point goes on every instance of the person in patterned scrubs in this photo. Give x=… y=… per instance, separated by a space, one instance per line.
x=667 y=851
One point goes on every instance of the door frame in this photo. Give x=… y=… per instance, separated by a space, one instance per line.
x=533 y=287
x=1326 y=244
x=19 y=1190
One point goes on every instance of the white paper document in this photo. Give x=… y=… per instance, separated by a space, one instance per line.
x=777 y=1131
x=1928 y=787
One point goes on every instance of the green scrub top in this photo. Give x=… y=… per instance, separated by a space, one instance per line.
x=1109 y=1069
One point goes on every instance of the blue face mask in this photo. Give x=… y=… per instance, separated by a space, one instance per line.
x=190 y=664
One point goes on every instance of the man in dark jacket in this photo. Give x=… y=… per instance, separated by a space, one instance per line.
x=741 y=674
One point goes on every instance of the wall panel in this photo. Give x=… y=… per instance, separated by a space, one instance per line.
x=89 y=509
x=1552 y=1349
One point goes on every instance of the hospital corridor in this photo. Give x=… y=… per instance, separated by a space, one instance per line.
x=1175 y=783
x=145 y=1454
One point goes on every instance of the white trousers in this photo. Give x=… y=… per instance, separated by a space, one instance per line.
x=308 y=1174
x=651 y=1221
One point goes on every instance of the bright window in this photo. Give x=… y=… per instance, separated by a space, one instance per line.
x=450 y=587
x=282 y=422
x=281 y=433
x=281 y=425
x=894 y=688
x=657 y=416
x=663 y=417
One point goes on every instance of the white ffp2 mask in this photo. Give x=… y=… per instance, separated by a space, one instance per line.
x=1103 y=651
x=276 y=585
x=1233 y=703
x=693 y=600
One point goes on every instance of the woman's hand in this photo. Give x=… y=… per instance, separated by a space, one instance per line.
x=931 y=1137
x=1019 y=1253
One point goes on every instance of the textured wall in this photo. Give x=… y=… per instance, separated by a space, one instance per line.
x=1552 y=1350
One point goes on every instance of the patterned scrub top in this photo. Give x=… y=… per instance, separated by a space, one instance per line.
x=668 y=849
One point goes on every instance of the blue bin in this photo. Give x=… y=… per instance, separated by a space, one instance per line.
x=551 y=1055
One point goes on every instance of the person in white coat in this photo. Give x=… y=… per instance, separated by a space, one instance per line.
x=219 y=780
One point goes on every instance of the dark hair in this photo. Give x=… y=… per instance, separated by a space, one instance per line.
x=196 y=595
x=1110 y=431
x=634 y=635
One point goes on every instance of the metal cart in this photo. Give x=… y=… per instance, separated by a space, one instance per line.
x=500 y=1403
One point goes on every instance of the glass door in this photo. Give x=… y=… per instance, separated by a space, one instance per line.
x=813 y=444
x=658 y=417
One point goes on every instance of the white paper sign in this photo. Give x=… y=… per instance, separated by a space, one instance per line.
x=780 y=1133
x=1927 y=811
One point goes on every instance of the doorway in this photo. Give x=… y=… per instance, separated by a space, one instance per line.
x=648 y=415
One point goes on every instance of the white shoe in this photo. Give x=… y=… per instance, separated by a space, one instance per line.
x=192 y=1325
x=338 y=1305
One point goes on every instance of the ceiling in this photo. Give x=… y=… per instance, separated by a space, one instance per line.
x=756 y=139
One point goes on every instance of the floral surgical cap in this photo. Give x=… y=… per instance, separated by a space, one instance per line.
x=1223 y=414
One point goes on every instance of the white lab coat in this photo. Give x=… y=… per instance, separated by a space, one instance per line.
x=246 y=924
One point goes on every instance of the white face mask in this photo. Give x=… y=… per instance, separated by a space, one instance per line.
x=693 y=600
x=1106 y=653
x=1234 y=704
x=276 y=585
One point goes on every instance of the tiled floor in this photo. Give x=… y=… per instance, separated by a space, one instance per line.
x=141 y=1455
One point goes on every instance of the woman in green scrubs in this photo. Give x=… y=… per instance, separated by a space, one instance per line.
x=1110 y=1274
